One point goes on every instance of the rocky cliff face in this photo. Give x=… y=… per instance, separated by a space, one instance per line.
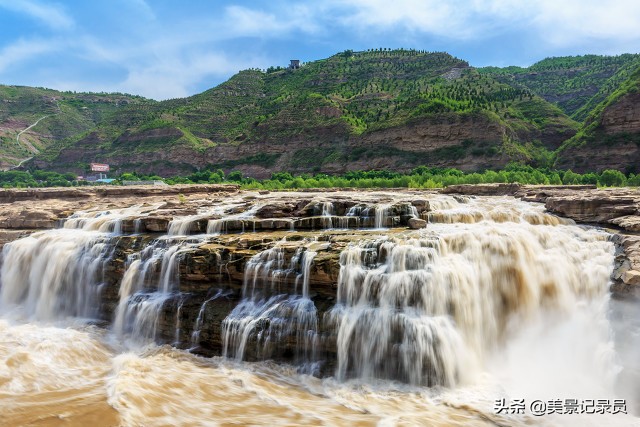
x=614 y=143
x=468 y=142
x=623 y=116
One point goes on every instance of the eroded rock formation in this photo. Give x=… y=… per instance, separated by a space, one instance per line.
x=189 y=261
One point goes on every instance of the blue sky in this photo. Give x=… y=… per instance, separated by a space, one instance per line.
x=167 y=48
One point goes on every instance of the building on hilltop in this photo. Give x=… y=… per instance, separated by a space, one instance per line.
x=295 y=64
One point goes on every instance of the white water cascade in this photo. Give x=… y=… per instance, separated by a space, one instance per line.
x=197 y=327
x=144 y=290
x=270 y=312
x=327 y=214
x=107 y=221
x=55 y=274
x=495 y=298
x=429 y=310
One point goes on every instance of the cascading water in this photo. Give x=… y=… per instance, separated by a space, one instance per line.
x=428 y=310
x=215 y=226
x=495 y=298
x=142 y=293
x=108 y=221
x=381 y=215
x=55 y=274
x=197 y=328
x=327 y=213
x=182 y=226
x=268 y=313
x=59 y=273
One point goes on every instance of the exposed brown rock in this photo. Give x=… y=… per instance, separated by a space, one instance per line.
x=614 y=144
x=623 y=116
x=631 y=277
x=416 y=223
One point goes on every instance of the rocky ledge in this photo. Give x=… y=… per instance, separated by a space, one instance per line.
x=213 y=269
x=23 y=211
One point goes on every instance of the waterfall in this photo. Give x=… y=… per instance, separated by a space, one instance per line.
x=381 y=216
x=269 y=314
x=428 y=310
x=500 y=210
x=327 y=213
x=426 y=307
x=181 y=226
x=223 y=213
x=307 y=261
x=110 y=221
x=215 y=226
x=178 y=327
x=55 y=274
x=141 y=297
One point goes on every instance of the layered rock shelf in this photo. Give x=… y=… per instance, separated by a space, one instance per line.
x=219 y=231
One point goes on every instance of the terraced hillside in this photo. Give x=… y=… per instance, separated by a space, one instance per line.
x=610 y=135
x=576 y=84
x=32 y=119
x=381 y=108
x=355 y=110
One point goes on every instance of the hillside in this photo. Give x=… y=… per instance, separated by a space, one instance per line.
x=381 y=108
x=576 y=84
x=355 y=110
x=610 y=136
x=56 y=115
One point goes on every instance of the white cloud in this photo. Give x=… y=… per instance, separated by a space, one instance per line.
x=241 y=21
x=143 y=7
x=51 y=15
x=449 y=19
x=174 y=77
x=23 y=50
x=556 y=22
x=155 y=73
x=572 y=21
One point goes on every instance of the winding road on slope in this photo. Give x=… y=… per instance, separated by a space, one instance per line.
x=24 y=130
x=30 y=147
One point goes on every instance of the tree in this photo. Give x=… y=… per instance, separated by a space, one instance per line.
x=281 y=176
x=235 y=176
x=612 y=178
x=570 y=178
x=634 y=180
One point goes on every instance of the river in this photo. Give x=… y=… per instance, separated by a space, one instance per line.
x=495 y=299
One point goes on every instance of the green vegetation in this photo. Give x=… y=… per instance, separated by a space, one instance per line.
x=591 y=131
x=420 y=177
x=426 y=177
x=67 y=116
x=20 y=179
x=576 y=84
x=346 y=96
x=350 y=107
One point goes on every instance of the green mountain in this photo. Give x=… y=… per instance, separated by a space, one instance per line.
x=50 y=117
x=381 y=108
x=576 y=84
x=609 y=138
